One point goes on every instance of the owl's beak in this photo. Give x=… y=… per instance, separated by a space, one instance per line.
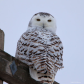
x=43 y=25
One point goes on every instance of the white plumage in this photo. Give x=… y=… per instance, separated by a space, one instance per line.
x=40 y=48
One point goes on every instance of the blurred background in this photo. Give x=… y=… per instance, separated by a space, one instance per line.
x=16 y=14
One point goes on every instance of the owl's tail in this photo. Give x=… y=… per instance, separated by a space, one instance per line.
x=43 y=78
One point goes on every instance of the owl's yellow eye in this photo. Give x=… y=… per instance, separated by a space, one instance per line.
x=49 y=20
x=38 y=19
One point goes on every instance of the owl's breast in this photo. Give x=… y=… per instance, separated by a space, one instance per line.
x=40 y=49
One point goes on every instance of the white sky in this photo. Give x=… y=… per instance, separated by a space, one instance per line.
x=16 y=14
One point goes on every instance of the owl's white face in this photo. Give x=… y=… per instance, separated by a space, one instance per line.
x=43 y=21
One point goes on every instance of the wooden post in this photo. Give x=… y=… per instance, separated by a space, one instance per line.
x=1 y=82
x=1 y=40
x=1 y=45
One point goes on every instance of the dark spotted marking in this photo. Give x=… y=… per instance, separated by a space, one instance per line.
x=24 y=38
x=43 y=14
x=25 y=52
x=42 y=70
x=45 y=77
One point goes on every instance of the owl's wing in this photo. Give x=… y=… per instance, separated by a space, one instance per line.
x=54 y=56
x=56 y=51
x=22 y=49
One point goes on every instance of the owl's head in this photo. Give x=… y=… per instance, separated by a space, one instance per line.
x=43 y=20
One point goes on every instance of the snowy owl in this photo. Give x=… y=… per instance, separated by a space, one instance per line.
x=40 y=48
